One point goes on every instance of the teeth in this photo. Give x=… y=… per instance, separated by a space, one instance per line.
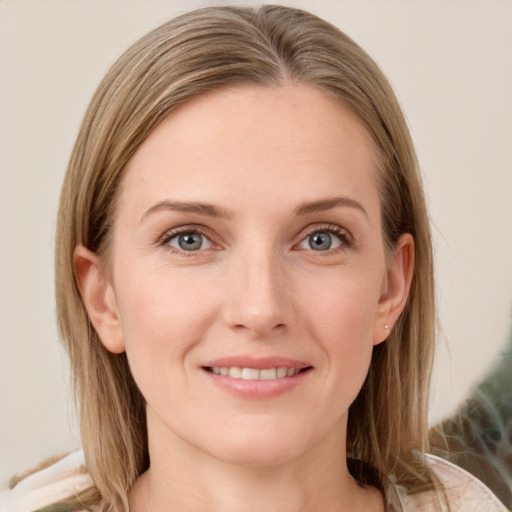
x=254 y=373
x=234 y=372
x=250 y=374
x=270 y=374
x=281 y=372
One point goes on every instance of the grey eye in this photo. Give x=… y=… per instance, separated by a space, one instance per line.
x=320 y=241
x=190 y=242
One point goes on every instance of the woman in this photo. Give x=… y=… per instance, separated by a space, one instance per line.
x=244 y=281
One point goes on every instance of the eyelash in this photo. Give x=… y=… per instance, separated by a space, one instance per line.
x=185 y=230
x=332 y=229
x=342 y=234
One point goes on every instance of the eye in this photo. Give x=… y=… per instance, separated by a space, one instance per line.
x=189 y=241
x=321 y=240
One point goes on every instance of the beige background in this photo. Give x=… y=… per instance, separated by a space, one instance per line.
x=451 y=65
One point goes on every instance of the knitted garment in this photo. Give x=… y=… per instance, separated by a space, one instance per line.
x=41 y=491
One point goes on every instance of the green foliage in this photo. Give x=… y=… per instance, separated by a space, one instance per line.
x=479 y=436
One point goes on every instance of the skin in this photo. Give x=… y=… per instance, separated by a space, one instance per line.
x=256 y=288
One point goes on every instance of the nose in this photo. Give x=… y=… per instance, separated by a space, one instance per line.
x=259 y=301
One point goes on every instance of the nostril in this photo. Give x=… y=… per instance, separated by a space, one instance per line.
x=275 y=327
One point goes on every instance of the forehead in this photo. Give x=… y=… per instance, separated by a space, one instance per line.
x=257 y=142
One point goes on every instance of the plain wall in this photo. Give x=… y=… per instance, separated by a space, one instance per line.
x=451 y=65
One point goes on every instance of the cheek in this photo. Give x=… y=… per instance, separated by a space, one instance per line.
x=163 y=317
x=341 y=317
x=345 y=305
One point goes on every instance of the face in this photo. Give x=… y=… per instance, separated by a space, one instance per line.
x=248 y=281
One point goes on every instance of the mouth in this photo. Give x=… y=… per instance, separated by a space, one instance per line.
x=235 y=372
x=257 y=378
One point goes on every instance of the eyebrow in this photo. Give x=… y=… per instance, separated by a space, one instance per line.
x=211 y=210
x=188 y=207
x=328 y=204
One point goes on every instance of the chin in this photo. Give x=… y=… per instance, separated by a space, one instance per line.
x=261 y=447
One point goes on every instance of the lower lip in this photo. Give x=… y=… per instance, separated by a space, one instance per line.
x=256 y=389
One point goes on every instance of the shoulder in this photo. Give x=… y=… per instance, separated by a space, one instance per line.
x=461 y=492
x=56 y=483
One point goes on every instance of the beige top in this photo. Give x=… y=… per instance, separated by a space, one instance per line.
x=464 y=493
x=68 y=477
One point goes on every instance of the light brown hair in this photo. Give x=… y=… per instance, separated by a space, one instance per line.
x=198 y=52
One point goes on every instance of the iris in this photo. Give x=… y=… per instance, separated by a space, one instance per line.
x=320 y=241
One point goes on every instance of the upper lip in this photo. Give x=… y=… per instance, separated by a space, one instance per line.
x=261 y=363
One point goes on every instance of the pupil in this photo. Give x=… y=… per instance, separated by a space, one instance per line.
x=320 y=241
x=190 y=241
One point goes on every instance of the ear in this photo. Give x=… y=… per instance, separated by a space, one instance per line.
x=98 y=297
x=395 y=289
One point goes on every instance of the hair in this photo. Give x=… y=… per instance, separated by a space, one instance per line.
x=206 y=50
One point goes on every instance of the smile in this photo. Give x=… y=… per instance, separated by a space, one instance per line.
x=254 y=373
x=256 y=378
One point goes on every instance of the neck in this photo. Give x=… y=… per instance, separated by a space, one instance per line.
x=182 y=477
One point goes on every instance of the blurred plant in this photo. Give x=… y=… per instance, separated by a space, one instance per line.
x=478 y=437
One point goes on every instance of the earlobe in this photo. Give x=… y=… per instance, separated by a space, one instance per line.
x=396 y=288
x=99 y=299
